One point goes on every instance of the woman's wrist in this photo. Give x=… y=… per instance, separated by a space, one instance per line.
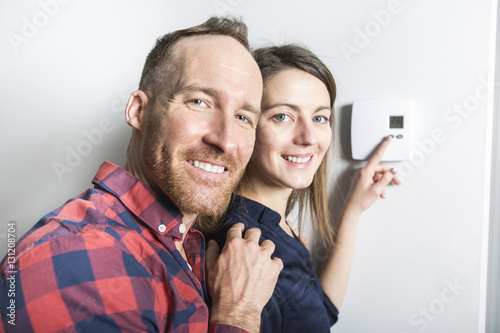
x=351 y=214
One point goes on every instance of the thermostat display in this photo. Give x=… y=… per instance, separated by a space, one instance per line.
x=373 y=120
x=396 y=122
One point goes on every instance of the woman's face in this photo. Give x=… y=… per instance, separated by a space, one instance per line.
x=293 y=133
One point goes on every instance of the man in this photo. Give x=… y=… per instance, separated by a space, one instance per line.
x=123 y=256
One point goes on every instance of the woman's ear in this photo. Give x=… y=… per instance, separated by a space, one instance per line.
x=135 y=109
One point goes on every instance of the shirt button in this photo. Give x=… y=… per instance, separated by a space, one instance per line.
x=190 y=267
x=162 y=228
x=182 y=228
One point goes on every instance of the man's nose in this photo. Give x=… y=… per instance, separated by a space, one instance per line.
x=222 y=134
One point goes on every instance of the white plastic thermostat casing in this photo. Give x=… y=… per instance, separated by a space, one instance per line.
x=373 y=120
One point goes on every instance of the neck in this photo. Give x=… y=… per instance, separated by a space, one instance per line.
x=134 y=167
x=272 y=197
x=188 y=220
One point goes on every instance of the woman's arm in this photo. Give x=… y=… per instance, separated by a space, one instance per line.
x=367 y=186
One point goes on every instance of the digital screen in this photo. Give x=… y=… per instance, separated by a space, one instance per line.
x=396 y=122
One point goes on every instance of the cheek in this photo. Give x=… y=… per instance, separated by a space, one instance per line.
x=183 y=128
x=267 y=141
x=324 y=141
x=246 y=144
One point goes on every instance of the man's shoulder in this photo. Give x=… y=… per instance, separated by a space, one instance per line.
x=77 y=209
x=89 y=213
x=87 y=208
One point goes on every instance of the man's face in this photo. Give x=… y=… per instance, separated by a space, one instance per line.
x=200 y=136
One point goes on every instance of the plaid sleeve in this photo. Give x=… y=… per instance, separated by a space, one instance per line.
x=221 y=328
x=81 y=283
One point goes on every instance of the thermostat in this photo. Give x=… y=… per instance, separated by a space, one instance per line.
x=373 y=120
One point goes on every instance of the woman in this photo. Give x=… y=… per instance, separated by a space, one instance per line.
x=289 y=167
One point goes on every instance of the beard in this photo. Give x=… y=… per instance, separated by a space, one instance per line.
x=189 y=193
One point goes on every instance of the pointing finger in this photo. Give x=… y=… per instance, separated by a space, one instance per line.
x=379 y=153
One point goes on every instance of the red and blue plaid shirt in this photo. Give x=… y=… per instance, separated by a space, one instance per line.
x=105 y=261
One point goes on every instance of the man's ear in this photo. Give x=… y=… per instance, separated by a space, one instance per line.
x=135 y=109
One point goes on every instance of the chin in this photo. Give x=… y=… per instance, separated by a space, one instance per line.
x=199 y=209
x=205 y=199
x=301 y=185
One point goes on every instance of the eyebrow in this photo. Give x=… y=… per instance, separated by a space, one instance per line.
x=196 y=88
x=214 y=93
x=294 y=107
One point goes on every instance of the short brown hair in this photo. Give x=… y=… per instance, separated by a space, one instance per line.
x=159 y=63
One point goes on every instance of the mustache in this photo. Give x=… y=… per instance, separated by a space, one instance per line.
x=211 y=155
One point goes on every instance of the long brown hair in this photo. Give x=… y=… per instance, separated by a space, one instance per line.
x=271 y=61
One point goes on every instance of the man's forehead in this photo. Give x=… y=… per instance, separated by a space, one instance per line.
x=217 y=63
x=214 y=43
x=215 y=55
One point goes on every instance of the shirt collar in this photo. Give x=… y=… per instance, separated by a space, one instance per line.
x=257 y=211
x=157 y=212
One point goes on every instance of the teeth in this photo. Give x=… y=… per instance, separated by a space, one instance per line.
x=207 y=167
x=299 y=160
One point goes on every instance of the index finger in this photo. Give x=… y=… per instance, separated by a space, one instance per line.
x=377 y=155
x=236 y=230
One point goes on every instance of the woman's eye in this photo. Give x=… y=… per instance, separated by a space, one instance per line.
x=281 y=117
x=320 y=119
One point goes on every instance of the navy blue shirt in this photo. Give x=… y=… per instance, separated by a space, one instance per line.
x=298 y=303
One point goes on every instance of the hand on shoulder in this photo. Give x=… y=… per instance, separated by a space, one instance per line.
x=242 y=278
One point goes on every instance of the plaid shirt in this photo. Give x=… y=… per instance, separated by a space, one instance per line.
x=105 y=261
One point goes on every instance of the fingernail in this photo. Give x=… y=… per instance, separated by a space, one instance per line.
x=394 y=170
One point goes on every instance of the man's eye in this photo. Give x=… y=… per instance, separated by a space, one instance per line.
x=242 y=118
x=320 y=119
x=198 y=102
x=281 y=117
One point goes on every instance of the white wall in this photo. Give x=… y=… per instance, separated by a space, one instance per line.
x=72 y=75
x=493 y=304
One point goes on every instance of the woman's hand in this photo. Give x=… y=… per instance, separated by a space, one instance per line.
x=367 y=185
x=370 y=182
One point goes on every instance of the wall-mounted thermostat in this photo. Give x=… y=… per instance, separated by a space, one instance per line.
x=373 y=120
